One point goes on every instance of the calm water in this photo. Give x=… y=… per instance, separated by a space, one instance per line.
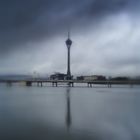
x=49 y=113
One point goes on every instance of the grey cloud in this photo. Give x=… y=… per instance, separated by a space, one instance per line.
x=32 y=20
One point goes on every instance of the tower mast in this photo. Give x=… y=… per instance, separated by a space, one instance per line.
x=68 y=44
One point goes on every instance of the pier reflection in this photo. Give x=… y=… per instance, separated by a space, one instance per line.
x=68 y=109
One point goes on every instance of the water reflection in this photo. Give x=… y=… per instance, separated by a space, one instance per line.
x=68 y=109
x=69 y=113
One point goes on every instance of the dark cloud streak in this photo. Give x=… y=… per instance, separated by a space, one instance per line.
x=31 y=20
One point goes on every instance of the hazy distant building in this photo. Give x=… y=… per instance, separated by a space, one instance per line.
x=120 y=79
x=137 y=78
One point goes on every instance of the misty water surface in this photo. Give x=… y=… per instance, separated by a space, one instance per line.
x=49 y=113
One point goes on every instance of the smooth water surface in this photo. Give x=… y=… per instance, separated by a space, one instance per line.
x=49 y=113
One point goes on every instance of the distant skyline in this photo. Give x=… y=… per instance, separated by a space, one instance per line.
x=105 y=35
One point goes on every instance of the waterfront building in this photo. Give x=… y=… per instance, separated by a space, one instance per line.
x=92 y=78
x=58 y=76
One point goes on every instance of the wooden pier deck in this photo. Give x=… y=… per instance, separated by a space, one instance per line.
x=71 y=83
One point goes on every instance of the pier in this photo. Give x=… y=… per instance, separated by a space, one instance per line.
x=70 y=83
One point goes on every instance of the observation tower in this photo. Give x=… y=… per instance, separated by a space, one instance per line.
x=68 y=44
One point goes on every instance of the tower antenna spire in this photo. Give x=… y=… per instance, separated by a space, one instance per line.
x=69 y=34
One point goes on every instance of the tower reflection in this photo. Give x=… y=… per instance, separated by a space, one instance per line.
x=68 y=109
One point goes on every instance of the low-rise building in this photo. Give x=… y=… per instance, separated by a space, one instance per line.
x=92 y=78
x=58 y=76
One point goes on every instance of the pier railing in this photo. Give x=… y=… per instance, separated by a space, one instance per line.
x=71 y=83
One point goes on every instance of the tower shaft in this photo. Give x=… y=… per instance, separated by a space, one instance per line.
x=68 y=44
x=68 y=65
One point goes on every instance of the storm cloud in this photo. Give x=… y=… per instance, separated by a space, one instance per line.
x=31 y=20
x=37 y=27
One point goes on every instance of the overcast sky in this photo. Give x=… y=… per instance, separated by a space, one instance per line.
x=105 y=35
